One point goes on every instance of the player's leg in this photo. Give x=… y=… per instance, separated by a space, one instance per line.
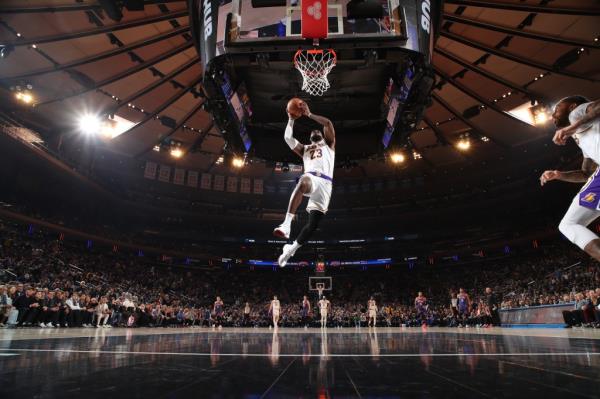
x=303 y=187
x=289 y=250
x=318 y=203
x=574 y=227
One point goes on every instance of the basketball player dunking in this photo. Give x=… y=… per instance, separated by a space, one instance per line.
x=275 y=310
x=372 y=307
x=315 y=183
x=579 y=118
x=324 y=306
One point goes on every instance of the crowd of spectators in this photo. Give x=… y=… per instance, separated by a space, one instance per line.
x=46 y=282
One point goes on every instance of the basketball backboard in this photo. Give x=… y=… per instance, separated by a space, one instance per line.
x=315 y=283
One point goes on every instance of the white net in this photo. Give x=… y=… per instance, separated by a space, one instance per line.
x=315 y=65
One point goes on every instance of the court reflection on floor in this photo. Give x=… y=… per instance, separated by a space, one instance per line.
x=309 y=363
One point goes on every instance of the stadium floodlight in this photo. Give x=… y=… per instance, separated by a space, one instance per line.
x=237 y=162
x=24 y=97
x=464 y=144
x=397 y=157
x=176 y=152
x=90 y=124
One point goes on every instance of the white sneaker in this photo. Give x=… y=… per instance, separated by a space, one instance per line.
x=282 y=231
x=288 y=252
x=42 y=325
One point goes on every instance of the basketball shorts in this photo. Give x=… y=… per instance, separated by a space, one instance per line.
x=589 y=196
x=372 y=314
x=319 y=195
x=275 y=314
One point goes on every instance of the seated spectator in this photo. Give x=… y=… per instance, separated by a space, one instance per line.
x=5 y=305
x=574 y=318
x=74 y=311
x=102 y=313
x=50 y=312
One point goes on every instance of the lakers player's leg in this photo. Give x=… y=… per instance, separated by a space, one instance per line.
x=314 y=218
x=574 y=227
x=303 y=188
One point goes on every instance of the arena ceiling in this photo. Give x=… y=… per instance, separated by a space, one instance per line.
x=491 y=57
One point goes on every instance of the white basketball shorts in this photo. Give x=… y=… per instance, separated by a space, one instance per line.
x=319 y=195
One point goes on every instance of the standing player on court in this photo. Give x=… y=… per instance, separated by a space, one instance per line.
x=305 y=313
x=579 y=118
x=317 y=180
x=324 y=306
x=218 y=312
x=372 y=307
x=464 y=305
x=421 y=306
x=275 y=310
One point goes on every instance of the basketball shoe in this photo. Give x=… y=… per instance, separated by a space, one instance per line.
x=289 y=250
x=283 y=230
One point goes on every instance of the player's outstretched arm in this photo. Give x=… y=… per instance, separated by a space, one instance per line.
x=288 y=136
x=588 y=167
x=328 y=129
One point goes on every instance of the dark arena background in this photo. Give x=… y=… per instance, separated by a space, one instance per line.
x=143 y=170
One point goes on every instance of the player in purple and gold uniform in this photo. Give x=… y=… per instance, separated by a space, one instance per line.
x=579 y=118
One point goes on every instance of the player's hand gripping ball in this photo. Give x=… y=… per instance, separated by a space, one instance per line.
x=295 y=108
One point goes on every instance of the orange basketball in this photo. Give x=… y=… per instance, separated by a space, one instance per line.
x=293 y=107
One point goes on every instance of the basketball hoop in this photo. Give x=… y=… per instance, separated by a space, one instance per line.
x=315 y=65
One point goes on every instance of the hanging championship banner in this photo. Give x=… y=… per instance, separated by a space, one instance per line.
x=150 y=170
x=232 y=184
x=245 y=185
x=258 y=186
x=192 y=180
x=179 y=176
x=219 y=183
x=205 y=181
x=164 y=173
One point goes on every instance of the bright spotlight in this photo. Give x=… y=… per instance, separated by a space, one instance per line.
x=27 y=98
x=463 y=144
x=24 y=97
x=237 y=162
x=90 y=124
x=540 y=114
x=176 y=152
x=397 y=157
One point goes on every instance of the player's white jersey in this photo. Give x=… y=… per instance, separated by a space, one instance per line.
x=319 y=158
x=588 y=135
x=323 y=305
x=275 y=306
x=372 y=306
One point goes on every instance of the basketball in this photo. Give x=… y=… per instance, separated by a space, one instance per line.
x=293 y=107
